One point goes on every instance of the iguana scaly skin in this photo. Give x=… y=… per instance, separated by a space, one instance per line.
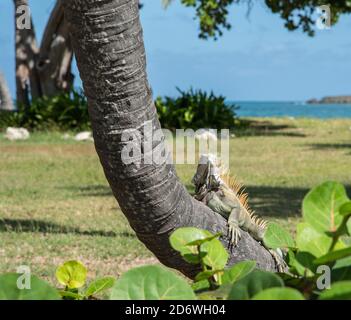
x=223 y=194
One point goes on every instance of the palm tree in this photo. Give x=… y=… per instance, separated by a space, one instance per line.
x=108 y=43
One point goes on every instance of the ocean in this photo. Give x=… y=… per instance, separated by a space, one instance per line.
x=292 y=109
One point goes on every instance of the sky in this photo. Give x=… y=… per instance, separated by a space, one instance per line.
x=258 y=59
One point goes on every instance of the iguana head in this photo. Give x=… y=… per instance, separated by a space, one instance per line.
x=207 y=175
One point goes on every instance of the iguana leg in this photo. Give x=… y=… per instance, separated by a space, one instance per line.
x=281 y=265
x=234 y=226
x=232 y=215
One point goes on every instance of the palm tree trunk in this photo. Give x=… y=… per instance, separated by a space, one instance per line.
x=108 y=43
x=6 y=102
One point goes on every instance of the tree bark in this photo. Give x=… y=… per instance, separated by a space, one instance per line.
x=45 y=71
x=6 y=102
x=27 y=78
x=108 y=43
x=56 y=54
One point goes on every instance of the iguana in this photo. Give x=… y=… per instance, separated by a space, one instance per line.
x=224 y=195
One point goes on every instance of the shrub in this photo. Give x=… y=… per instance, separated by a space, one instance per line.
x=321 y=241
x=66 y=111
x=195 y=109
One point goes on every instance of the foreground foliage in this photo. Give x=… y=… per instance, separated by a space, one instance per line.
x=319 y=254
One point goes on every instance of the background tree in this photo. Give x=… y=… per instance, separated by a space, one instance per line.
x=212 y=15
x=55 y=55
x=44 y=71
x=27 y=78
x=6 y=102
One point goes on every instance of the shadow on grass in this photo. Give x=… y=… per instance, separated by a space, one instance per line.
x=266 y=128
x=274 y=202
x=39 y=226
x=278 y=202
x=90 y=191
x=331 y=146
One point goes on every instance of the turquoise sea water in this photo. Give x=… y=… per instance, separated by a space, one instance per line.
x=292 y=109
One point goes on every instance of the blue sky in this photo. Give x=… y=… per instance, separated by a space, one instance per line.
x=257 y=60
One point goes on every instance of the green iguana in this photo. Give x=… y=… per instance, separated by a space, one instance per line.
x=224 y=195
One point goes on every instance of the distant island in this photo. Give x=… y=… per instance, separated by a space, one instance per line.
x=331 y=100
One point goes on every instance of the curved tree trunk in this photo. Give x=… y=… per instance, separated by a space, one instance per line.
x=108 y=43
x=6 y=102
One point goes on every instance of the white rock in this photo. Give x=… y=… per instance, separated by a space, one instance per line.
x=206 y=135
x=66 y=136
x=84 y=136
x=14 y=134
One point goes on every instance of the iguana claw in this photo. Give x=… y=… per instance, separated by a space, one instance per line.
x=234 y=232
x=281 y=265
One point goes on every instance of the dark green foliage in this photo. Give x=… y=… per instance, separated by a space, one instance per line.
x=195 y=109
x=298 y=14
x=212 y=15
x=66 y=112
x=301 y=14
x=69 y=111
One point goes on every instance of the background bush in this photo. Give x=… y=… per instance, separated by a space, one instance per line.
x=195 y=109
x=192 y=109
x=68 y=111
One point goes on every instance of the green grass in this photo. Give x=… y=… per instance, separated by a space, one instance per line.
x=55 y=204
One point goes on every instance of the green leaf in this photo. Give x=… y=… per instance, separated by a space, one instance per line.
x=99 y=285
x=238 y=271
x=302 y=263
x=202 y=241
x=151 y=283
x=279 y=294
x=338 y=291
x=298 y=283
x=333 y=256
x=276 y=237
x=253 y=283
x=321 y=206
x=206 y=275
x=39 y=289
x=71 y=295
x=309 y=240
x=201 y=285
x=342 y=270
x=345 y=209
x=72 y=274
x=219 y=294
x=215 y=255
x=305 y=260
x=181 y=238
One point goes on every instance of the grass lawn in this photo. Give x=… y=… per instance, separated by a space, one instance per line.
x=55 y=204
